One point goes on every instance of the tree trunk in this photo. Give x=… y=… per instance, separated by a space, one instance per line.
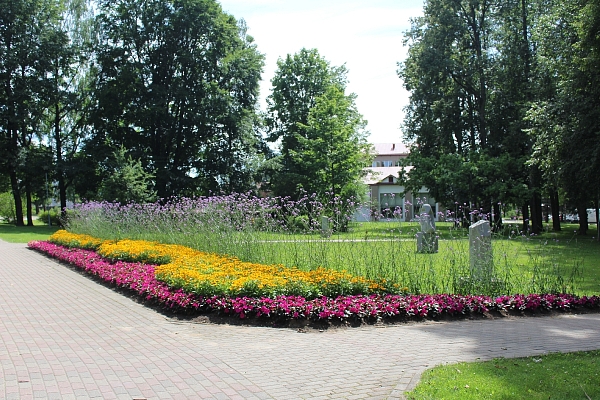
x=535 y=182
x=536 y=214
x=525 y=212
x=14 y=183
x=497 y=218
x=597 y=222
x=554 y=206
x=60 y=175
x=583 y=218
x=28 y=204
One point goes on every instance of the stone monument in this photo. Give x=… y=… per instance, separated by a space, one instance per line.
x=427 y=240
x=325 y=229
x=480 y=251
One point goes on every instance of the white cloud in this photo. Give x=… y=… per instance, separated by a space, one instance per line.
x=366 y=36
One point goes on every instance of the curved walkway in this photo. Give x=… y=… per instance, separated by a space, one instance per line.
x=63 y=336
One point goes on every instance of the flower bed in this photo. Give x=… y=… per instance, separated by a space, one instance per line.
x=208 y=274
x=141 y=279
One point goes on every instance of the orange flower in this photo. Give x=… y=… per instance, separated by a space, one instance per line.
x=212 y=274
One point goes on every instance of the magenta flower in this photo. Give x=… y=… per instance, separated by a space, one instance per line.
x=140 y=278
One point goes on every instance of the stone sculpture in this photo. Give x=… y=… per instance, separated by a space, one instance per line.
x=427 y=240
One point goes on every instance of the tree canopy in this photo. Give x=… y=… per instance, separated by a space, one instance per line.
x=176 y=85
x=30 y=42
x=495 y=89
x=322 y=140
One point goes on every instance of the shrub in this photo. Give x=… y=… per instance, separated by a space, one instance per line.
x=7 y=207
x=54 y=217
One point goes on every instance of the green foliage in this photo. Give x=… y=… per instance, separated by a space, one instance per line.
x=323 y=143
x=7 y=207
x=177 y=86
x=564 y=120
x=127 y=181
x=29 y=43
x=467 y=74
x=332 y=145
x=54 y=217
x=548 y=376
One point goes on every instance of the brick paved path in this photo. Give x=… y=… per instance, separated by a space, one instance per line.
x=64 y=336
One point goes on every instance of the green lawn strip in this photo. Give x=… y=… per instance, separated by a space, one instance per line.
x=554 y=376
x=24 y=234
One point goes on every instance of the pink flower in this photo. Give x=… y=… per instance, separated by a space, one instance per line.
x=140 y=278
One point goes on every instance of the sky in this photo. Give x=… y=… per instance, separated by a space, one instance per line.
x=365 y=35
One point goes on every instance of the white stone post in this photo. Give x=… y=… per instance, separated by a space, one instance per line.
x=480 y=251
x=325 y=230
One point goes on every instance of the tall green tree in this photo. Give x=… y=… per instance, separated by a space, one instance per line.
x=469 y=74
x=322 y=145
x=177 y=84
x=233 y=156
x=333 y=146
x=28 y=43
x=514 y=87
x=64 y=125
x=448 y=72
x=564 y=120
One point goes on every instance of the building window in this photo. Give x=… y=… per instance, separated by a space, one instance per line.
x=386 y=163
x=391 y=205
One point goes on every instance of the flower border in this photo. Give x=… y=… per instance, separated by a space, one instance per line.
x=141 y=279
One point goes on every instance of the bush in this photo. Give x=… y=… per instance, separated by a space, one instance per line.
x=54 y=217
x=299 y=223
x=7 y=207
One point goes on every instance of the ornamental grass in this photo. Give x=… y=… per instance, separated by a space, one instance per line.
x=307 y=234
x=209 y=274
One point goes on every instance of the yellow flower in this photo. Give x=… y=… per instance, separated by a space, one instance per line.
x=68 y=239
x=209 y=274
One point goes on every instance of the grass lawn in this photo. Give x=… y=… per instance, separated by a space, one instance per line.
x=553 y=376
x=24 y=234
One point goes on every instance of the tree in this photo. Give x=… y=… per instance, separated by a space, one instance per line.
x=127 y=181
x=333 y=146
x=177 y=82
x=321 y=134
x=469 y=74
x=67 y=92
x=233 y=156
x=565 y=120
x=28 y=42
x=448 y=72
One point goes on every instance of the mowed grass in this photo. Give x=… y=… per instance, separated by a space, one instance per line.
x=560 y=376
x=24 y=234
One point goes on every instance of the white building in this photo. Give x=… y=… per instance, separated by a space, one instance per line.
x=386 y=198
